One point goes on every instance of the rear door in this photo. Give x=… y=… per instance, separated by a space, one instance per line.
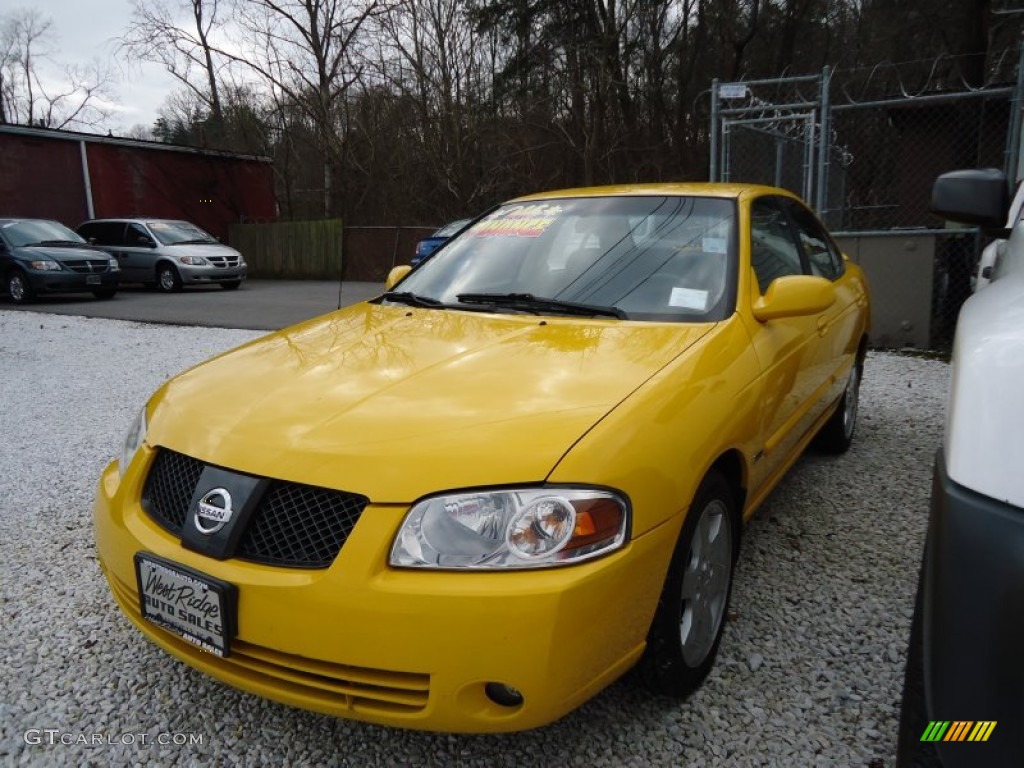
x=109 y=235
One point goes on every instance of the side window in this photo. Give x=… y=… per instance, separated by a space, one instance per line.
x=133 y=233
x=103 y=232
x=822 y=254
x=773 y=252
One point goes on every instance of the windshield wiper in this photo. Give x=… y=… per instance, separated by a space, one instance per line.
x=60 y=242
x=537 y=304
x=197 y=241
x=413 y=299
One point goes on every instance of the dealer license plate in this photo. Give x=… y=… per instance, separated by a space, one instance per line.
x=196 y=607
x=92 y=279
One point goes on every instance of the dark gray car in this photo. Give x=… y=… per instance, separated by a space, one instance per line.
x=166 y=253
x=38 y=256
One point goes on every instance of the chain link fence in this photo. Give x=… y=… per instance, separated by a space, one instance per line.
x=863 y=148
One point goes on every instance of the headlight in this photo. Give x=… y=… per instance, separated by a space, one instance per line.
x=132 y=441
x=45 y=265
x=513 y=528
x=114 y=266
x=194 y=261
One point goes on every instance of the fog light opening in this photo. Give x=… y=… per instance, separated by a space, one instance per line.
x=504 y=695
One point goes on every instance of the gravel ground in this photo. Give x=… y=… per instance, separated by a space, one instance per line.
x=810 y=669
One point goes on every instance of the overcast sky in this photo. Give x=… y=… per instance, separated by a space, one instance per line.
x=86 y=29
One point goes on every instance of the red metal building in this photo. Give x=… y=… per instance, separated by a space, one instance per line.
x=72 y=177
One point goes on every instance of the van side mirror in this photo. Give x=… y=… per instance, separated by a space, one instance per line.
x=976 y=196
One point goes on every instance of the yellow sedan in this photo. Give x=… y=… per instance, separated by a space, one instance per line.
x=472 y=503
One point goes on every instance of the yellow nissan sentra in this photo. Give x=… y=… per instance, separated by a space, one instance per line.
x=472 y=503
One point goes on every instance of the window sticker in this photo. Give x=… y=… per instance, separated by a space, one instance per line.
x=714 y=245
x=689 y=298
x=518 y=221
x=158 y=225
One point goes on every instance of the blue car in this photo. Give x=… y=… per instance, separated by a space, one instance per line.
x=428 y=245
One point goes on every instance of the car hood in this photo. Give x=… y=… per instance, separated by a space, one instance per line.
x=60 y=253
x=203 y=249
x=395 y=403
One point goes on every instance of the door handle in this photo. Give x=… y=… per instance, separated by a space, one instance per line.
x=822 y=326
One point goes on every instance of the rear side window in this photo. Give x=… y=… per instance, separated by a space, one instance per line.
x=103 y=232
x=822 y=254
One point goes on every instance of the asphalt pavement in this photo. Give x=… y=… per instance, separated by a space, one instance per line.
x=259 y=305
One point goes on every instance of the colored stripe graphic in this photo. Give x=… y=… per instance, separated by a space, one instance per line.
x=935 y=731
x=958 y=730
x=982 y=730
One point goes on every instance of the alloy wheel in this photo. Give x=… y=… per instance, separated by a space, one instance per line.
x=706 y=582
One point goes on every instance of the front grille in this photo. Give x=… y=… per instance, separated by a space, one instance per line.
x=169 y=488
x=88 y=266
x=223 y=262
x=295 y=525
x=300 y=525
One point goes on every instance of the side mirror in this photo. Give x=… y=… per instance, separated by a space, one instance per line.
x=144 y=241
x=396 y=275
x=794 y=296
x=979 y=197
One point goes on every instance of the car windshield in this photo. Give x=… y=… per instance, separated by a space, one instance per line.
x=451 y=228
x=179 y=233
x=644 y=258
x=37 y=232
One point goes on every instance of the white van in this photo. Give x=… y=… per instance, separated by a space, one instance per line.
x=965 y=670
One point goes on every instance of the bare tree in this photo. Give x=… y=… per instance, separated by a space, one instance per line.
x=428 y=56
x=307 y=53
x=60 y=97
x=155 y=33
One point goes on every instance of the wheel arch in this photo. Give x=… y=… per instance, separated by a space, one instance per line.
x=733 y=467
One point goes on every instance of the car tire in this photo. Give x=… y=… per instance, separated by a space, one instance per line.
x=19 y=287
x=167 y=278
x=231 y=285
x=687 y=628
x=911 y=752
x=836 y=436
x=105 y=293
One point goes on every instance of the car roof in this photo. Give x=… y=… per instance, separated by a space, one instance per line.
x=698 y=189
x=19 y=219
x=129 y=218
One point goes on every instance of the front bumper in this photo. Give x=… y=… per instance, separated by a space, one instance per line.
x=405 y=648
x=72 y=282
x=974 y=620
x=206 y=275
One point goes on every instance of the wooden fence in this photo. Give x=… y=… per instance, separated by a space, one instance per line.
x=324 y=250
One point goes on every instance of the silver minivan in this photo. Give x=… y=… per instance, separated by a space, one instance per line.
x=166 y=253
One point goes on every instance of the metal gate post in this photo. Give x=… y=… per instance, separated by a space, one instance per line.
x=824 y=140
x=713 y=165
x=1012 y=164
